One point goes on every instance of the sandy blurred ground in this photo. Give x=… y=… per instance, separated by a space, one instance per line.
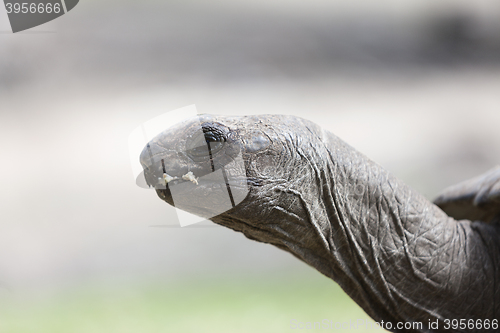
x=415 y=88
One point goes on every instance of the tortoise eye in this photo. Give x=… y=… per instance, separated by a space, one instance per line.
x=204 y=144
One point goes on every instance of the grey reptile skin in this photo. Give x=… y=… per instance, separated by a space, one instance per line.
x=396 y=254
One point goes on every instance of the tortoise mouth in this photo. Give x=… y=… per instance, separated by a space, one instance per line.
x=207 y=199
x=186 y=192
x=199 y=189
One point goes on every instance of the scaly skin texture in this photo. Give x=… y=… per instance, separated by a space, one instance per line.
x=397 y=255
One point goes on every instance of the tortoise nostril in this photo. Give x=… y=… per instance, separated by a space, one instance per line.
x=150 y=153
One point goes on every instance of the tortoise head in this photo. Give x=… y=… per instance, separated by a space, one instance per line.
x=210 y=165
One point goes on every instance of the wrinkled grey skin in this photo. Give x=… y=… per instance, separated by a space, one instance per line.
x=397 y=255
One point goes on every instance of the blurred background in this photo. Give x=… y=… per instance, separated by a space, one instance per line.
x=415 y=85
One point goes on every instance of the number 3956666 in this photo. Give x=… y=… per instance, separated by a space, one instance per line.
x=32 y=8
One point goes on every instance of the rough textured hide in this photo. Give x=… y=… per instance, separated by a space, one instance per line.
x=399 y=256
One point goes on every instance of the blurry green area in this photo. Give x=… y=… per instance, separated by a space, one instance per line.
x=199 y=305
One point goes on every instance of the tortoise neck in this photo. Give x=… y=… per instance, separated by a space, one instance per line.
x=395 y=253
